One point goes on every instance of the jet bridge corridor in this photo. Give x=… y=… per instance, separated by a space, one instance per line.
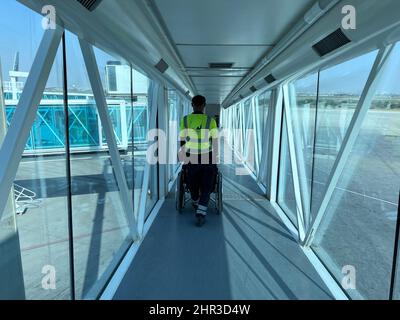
x=306 y=99
x=245 y=253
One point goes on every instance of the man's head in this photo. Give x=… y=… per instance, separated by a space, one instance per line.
x=198 y=103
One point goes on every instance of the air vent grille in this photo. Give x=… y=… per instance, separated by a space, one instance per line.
x=332 y=42
x=113 y=63
x=270 y=78
x=90 y=4
x=221 y=65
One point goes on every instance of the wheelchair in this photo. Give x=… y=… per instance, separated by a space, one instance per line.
x=183 y=193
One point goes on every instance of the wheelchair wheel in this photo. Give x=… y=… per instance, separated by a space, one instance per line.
x=218 y=195
x=180 y=193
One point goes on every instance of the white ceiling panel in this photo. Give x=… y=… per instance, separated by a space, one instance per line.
x=214 y=89
x=202 y=72
x=211 y=88
x=241 y=56
x=216 y=80
x=214 y=99
x=225 y=31
x=230 y=21
x=213 y=93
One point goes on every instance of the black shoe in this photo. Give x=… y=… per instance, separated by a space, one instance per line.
x=200 y=220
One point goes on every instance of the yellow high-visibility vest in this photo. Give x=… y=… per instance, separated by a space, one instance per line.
x=198 y=130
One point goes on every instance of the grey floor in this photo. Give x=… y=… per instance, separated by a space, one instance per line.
x=245 y=253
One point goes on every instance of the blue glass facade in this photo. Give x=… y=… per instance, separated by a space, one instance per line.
x=48 y=129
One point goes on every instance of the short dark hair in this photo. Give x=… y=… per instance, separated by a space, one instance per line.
x=198 y=101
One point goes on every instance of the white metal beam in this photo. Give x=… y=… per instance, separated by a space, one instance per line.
x=257 y=126
x=269 y=134
x=162 y=126
x=232 y=126
x=228 y=125
x=302 y=170
x=263 y=149
x=14 y=142
x=276 y=113
x=98 y=92
x=351 y=136
x=239 y=144
x=246 y=125
x=3 y=131
x=242 y=130
x=236 y=136
x=153 y=100
x=293 y=160
x=255 y=137
x=262 y=152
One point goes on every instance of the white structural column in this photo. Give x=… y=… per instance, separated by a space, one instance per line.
x=351 y=136
x=3 y=132
x=242 y=130
x=162 y=126
x=293 y=160
x=236 y=118
x=246 y=125
x=275 y=115
x=97 y=87
x=257 y=126
x=232 y=126
x=14 y=142
x=263 y=135
x=238 y=128
x=255 y=137
x=301 y=165
x=153 y=100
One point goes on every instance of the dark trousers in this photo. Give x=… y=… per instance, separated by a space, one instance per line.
x=201 y=178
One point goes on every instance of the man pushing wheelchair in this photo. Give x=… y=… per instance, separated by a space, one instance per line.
x=199 y=153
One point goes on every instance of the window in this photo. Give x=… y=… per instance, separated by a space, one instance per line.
x=131 y=122
x=319 y=127
x=303 y=103
x=358 y=228
x=340 y=88
x=40 y=200
x=262 y=110
x=173 y=131
x=100 y=225
x=33 y=226
x=286 y=195
x=249 y=135
x=238 y=127
x=35 y=234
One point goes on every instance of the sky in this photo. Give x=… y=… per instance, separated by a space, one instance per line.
x=21 y=30
x=351 y=76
